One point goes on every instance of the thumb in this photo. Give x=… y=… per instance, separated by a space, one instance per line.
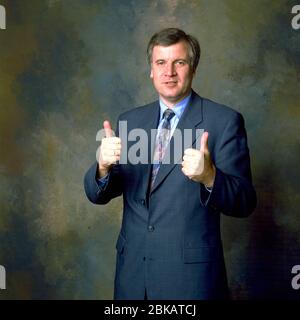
x=204 y=142
x=107 y=129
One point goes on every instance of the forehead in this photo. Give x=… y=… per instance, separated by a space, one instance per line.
x=175 y=51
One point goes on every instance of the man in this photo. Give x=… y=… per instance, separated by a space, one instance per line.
x=169 y=246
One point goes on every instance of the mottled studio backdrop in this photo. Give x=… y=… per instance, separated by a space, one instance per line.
x=66 y=65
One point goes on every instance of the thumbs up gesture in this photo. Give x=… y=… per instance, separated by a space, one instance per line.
x=197 y=164
x=110 y=150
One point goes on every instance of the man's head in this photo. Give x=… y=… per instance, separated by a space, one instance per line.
x=173 y=56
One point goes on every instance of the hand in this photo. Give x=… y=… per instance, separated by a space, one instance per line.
x=197 y=164
x=110 y=150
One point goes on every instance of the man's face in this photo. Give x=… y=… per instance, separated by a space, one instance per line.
x=171 y=72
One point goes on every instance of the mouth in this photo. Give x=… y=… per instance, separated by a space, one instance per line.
x=170 y=83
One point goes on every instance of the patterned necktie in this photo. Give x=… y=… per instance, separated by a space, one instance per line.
x=162 y=141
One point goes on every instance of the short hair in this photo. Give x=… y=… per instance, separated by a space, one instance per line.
x=170 y=36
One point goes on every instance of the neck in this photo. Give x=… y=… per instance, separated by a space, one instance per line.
x=171 y=103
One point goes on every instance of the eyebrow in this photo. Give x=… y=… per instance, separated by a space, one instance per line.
x=180 y=59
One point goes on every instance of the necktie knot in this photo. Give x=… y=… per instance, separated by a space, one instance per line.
x=168 y=114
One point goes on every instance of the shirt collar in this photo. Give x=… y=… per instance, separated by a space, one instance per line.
x=178 y=108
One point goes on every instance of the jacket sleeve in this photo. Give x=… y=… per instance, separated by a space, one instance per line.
x=102 y=195
x=233 y=193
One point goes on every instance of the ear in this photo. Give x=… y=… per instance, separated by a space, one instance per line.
x=151 y=73
x=194 y=73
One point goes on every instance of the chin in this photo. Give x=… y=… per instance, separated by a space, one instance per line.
x=174 y=96
x=171 y=95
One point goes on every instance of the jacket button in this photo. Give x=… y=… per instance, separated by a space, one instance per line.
x=150 y=228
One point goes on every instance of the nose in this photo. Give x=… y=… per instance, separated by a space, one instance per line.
x=170 y=70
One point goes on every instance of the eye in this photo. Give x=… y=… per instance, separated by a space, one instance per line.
x=160 y=62
x=181 y=62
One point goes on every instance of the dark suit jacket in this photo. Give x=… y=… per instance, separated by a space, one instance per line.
x=170 y=239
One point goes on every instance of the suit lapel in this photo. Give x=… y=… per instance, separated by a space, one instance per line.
x=191 y=119
x=149 y=122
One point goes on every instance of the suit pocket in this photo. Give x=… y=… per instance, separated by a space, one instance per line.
x=120 y=243
x=200 y=254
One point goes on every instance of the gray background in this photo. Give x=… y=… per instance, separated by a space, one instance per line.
x=66 y=65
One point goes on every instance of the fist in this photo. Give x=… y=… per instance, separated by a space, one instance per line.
x=197 y=164
x=110 y=150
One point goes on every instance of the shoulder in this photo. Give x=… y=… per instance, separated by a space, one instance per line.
x=217 y=111
x=216 y=108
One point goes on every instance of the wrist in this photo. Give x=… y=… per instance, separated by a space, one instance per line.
x=209 y=181
x=102 y=171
